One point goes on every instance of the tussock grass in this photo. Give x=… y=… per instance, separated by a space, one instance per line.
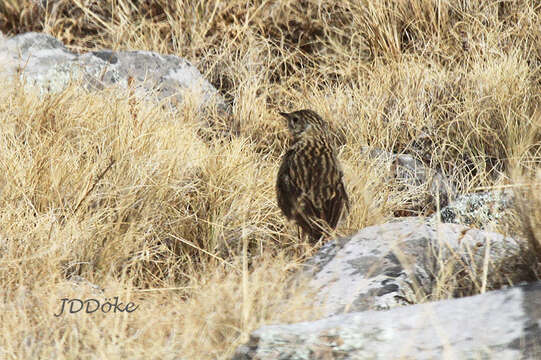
x=175 y=210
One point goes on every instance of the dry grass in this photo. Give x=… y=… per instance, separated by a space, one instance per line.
x=530 y=212
x=136 y=198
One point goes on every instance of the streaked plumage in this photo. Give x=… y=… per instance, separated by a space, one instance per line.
x=309 y=187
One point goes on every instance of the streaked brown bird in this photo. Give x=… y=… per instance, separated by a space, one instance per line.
x=310 y=187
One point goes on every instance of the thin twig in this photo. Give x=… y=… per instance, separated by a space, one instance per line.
x=100 y=176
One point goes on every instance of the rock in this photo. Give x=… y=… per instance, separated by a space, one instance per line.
x=478 y=209
x=503 y=324
x=427 y=188
x=44 y=62
x=386 y=265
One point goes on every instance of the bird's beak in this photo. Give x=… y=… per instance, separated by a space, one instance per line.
x=286 y=115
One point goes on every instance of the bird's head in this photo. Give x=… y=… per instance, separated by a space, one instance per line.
x=301 y=120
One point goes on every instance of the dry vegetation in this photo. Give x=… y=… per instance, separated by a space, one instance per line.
x=182 y=220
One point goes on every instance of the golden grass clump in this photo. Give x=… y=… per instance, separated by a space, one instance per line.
x=175 y=208
x=122 y=191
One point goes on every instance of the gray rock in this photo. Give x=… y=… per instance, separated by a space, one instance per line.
x=503 y=324
x=44 y=62
x=478 y=209
x=388 y=265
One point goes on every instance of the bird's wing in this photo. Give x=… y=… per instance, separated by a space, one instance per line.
x=335 y=198
x=308 y=217
x=334 y=205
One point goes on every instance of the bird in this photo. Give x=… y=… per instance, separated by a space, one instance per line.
x=310 y=188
